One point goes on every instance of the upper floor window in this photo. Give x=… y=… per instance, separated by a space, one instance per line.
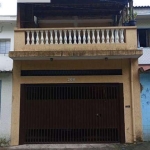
x=143 y=37
x=4 y=46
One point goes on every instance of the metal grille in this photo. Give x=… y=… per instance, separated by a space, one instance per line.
x=70 y=72
x=77 y=113
x=71 y=135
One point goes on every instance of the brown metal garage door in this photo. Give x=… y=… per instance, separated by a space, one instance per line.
x=71 y=113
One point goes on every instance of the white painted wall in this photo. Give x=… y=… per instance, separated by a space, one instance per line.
x=8 y=7
x=6 y=102
x=143 y=17
x=145 y=58
x=7 y=33
x=6 y=64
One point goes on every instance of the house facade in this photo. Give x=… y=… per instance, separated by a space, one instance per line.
x=7 y=24
x=75 y=74
x=143 y=26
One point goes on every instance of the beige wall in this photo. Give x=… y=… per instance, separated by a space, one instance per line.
x=130 y=38
x=126 y=79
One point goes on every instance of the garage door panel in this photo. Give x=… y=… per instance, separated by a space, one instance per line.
x=70 y=113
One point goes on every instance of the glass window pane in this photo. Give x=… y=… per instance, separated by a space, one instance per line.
x=4 y=46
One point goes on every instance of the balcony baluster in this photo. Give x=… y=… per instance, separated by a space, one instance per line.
x=46 y=32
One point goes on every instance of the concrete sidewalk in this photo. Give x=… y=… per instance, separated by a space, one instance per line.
x=65 y=147
x=138 y=146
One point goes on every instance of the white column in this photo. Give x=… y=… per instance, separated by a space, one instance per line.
x=89 y=38
x=28 y=37
x=112 y=35
x=37 y=37
x=56 y=38
x=75 y=37
x=116 y=36
x=107 y=38
x=65 y=36
x=46 y=32
x=93 y=36
x=98 y=37
x=32 y=39
x=79 y=37
x=51 y=37
x=103 y=38
x=70 y=38
x=42 y=38
x=60 y=36
x=84 y=37
x=122 y=35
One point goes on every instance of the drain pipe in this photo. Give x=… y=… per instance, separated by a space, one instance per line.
x=132 y=101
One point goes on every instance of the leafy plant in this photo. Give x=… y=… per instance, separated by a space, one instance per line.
x=4 y=142
x=127 y=18
x=134 y=15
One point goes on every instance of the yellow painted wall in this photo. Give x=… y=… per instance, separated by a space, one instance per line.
x=124 y=64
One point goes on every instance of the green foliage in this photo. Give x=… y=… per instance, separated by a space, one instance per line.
x=134 y=15
x=4 y=142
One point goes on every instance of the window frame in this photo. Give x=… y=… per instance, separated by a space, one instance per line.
x=5 y=40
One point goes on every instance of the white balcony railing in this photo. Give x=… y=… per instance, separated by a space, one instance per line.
x=74 y=36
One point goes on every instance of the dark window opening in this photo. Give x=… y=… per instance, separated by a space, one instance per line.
x=71 y=72
x=143 y=37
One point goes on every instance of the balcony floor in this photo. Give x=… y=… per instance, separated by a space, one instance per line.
x=84 y=54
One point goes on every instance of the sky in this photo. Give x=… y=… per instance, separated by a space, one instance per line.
x=8 y=7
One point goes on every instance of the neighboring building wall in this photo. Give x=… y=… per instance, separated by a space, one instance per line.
x=0 y=93
x=143 y=22
x=143 y=26
x=144 y=61
x=6 y=103
x=145 y=104
x=7 y=32
x=145 y=58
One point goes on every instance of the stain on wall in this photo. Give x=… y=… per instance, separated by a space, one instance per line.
x=145 y=104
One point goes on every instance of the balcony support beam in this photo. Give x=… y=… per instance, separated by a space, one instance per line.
x=94 y=54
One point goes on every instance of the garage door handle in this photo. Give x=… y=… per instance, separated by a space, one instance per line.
x=98 y=115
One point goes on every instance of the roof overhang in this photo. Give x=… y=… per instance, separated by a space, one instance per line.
x=5 y=71
x=83 y=8
x=33 y=1
x=72 y=1
x=144 y=68
x=8 y=18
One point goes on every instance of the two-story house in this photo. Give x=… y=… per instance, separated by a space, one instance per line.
x=7 y=24
x=75 y=73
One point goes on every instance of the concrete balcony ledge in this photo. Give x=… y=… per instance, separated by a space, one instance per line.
x=76 y=47
x=82 y=54
x=75 y=39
